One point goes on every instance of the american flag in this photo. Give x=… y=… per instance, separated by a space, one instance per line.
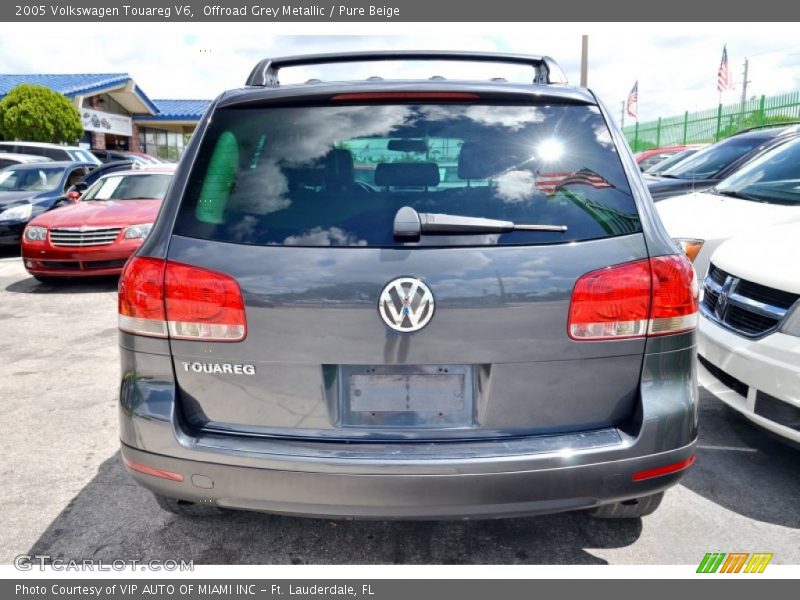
x=550 y=183
x=633 y=100
x=724 y=79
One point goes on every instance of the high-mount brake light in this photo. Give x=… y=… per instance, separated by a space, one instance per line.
x=161 y=298
x=656 y=296
x=415 y=96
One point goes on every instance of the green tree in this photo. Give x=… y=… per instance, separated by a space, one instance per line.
x=35 y=113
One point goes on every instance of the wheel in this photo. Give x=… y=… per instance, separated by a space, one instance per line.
x=629 y=509
x=185 y=508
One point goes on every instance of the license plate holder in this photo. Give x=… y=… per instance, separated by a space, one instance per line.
x=407 y=396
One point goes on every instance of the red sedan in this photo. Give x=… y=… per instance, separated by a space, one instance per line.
x=97 y=234
x=647 y=158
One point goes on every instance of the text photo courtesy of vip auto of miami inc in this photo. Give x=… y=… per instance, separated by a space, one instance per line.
x=422 y=298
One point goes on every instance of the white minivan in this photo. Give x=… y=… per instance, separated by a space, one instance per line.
x=749 y=343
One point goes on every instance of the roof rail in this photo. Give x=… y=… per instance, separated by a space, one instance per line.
x=545 y=69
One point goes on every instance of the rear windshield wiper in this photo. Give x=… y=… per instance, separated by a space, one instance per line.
x=408 y=223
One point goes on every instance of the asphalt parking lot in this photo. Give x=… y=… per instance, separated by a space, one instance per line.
x=65 y=493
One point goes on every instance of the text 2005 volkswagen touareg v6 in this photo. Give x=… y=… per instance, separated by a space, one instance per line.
x=408 y=299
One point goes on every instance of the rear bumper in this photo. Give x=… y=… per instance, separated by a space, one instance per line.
x=478 y=478
x=770 y=366
x=382 y=494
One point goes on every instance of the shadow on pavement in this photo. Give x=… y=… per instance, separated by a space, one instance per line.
x=113 y=518
x=74 y=285
x=743 y=469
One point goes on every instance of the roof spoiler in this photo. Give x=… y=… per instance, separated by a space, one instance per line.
x=545 y=69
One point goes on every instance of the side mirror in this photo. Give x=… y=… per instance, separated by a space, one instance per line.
x=75 y=192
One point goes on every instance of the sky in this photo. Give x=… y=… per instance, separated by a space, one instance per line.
x=675 y=64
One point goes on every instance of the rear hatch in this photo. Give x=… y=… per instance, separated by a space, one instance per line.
x=298 y=205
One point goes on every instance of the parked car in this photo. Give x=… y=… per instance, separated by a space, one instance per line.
x=149 y=158
x=138 y=158
x=653 y=156
x=293 y=341
x=8 y=159
x=762 y=193
x=718 y=161
x=749 y=342
x=74 y=192
x=660 y=167
x=96 y=236
x=27 y=190
x=54 y=152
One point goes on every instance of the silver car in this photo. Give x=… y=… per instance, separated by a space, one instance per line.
x=408 y=299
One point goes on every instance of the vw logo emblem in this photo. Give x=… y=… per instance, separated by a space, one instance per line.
x=406 y=304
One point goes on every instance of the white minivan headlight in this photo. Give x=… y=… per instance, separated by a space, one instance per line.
x=21 y=212
x=138 y=232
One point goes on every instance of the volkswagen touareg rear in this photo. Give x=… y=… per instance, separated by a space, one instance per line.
x=408 y=299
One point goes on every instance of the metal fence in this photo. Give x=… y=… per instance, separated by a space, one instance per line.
x=714 y=124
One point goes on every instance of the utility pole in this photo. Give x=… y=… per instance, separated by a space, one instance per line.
x=622 y=119
x=744 y=83
x=584 y=60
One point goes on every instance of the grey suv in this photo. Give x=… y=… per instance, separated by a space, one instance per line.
x=408 y=299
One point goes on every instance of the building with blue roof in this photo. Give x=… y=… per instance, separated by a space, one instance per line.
x=117 y=114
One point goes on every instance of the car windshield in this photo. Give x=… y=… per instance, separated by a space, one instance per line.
x=30 y=179
x=338 y=175
x=83 y=155
x=129 y=187
x=666 y=164
x=773 y=177
x=709 y=161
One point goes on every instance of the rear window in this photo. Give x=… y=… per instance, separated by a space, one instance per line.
x=30 y=179
x=337 y=175
x=129 y=187
x=83 y=156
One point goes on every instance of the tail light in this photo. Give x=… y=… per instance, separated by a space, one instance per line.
x=656 y=296
x=161 y=298
x=675 y=294
x=203 y=304
x=141 y=297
